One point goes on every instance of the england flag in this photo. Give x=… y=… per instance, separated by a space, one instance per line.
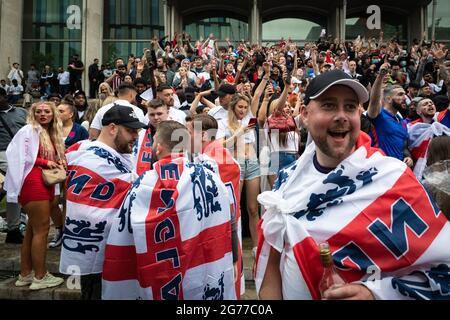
x=98 y=180
x=384 y=230
x=172 y=237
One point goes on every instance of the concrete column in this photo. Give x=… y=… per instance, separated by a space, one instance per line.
x=336 y=21
x=11 y=21
x=92 y=46
x=417 y=24
x=255 y=23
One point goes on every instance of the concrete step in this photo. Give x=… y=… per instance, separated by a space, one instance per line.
x=8 y=291
x=10 y=269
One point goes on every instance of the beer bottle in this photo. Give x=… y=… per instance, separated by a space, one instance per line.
x=330 y=277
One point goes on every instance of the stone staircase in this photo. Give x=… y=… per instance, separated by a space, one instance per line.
x=10 y=269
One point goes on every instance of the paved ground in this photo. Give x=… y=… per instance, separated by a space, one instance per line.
x=10 y=268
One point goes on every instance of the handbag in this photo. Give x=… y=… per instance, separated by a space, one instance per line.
x=281 y=122
x=54 y=176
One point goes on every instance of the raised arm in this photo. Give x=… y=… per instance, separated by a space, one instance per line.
x=377 y=91
x=260 y=89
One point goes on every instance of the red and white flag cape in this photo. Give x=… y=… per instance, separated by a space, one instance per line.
x=382 y=227
x=172 y=237
x=219 y=160
x=98 y=180
x=420 y=135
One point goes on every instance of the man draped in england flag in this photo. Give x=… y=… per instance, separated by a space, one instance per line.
x=430 y=124
x=100 y=176
x=387 y=237
x=172 y=237
x=211 y=154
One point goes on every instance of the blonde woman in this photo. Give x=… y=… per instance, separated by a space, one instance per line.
x=36 y=146
x=105 y=91
x=238 y=135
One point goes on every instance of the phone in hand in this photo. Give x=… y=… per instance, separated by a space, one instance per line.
x=252 y=122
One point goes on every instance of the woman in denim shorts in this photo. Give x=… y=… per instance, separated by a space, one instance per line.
x=284 y=146
x=238 y=135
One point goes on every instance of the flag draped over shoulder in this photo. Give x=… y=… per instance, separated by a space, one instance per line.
x=420 y=136
x=172 y=237
x=378 y=219
x=98 y=180
x=219 y=160
x=142 y=152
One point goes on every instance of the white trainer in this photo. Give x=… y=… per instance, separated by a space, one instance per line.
x=48 y=281
x=24 y=281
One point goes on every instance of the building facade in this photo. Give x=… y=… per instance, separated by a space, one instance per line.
x=50 y=31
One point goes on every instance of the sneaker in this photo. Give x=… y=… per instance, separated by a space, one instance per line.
x=24 y=281
x=14 y=237
x=49 y=281
x=57 y=239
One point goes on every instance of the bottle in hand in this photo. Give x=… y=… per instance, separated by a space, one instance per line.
x=330 y=277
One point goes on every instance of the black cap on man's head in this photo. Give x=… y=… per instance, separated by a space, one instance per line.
x=226 y=89
x=325 y=81
x=124 y=116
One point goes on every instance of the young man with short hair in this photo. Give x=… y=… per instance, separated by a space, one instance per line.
x=172 y=238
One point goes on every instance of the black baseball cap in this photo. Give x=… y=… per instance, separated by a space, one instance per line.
x=226 y=89
x=325 y=81
x=124 y=116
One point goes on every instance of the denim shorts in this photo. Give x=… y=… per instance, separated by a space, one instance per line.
x=279 y=160
x=249 y=169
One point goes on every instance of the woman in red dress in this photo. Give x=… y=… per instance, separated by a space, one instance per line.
x=39 y=146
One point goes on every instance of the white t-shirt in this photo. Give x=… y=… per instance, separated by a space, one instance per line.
x=177 y=115
x=292 y=144
x=97 y=122
x=64 y=78
x=225 y=132
x=15 y=91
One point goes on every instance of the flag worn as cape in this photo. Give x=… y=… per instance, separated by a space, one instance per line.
x=172 y=237
x=219 y=160
x=98 y=180
x=420 y=135
x=143 y=151
x=383 y=228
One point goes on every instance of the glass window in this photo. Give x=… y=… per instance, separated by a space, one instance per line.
x=441 y=20
x=355 y=27
x=296 y=29
x=139 y=20
x=133 y=19
x=53 y=53
x=51 y=19
x=51 y=32
x=221 y=27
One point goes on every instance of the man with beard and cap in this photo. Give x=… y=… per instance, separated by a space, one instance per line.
x=389 y=132
x=99 y=177
x=367 y=212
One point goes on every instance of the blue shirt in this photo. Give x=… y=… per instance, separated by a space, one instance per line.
x=389 y=133
x=78 y=133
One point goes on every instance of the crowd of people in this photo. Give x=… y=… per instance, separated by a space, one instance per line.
x=160 y=153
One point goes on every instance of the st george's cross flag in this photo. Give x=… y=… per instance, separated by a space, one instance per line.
x=98 y=180
x=143 y=152
x=420 y=135
x=219 y=160
x=172 y=237
x=383 y=228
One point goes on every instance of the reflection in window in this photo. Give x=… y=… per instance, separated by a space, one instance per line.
x=296 y=29
x=47 y=19
x=55 y=53
x=47 y=39
x=133 y=19
x=441 y=20
x=221 y=27
x=355 y=27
